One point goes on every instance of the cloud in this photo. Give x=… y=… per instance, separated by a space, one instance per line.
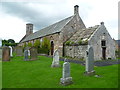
x=43 y=13
x=36 y=13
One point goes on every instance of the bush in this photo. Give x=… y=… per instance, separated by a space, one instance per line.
x=69 y=43
x=45 y=46
x=80 y=42
x=85 y=42
x=29 y=44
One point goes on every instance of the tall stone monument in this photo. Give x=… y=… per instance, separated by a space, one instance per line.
x=6 y=53
x=89 y=67
x=66 y=79
x=55 y=62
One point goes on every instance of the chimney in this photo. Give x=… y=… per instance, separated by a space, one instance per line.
x=29 y=29
x=102 y=23
x=76 y=9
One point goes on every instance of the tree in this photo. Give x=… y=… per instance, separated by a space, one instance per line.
x=37 y=43
x=45 y=45
x=9 y=42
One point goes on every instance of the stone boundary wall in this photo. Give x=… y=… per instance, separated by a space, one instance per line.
x=75 y=51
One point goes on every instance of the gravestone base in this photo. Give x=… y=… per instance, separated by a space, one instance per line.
x=26 y=60
x=55 y=65
x=89 y=73
x=5 y=60
x=33 y=59
x=66 y=81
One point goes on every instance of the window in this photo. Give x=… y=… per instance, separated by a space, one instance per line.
x=103 y=43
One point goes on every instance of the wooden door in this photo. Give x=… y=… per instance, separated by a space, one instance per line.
x=52 y=47
x=104 y=53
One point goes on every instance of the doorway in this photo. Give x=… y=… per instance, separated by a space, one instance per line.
x=104 y=53
x=52 y=47
x=103 y=44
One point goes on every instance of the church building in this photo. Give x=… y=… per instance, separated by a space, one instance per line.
x=71 y=37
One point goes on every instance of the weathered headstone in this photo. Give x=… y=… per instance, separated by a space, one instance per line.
x=66 y=79
x=89 y=62
x=55 y=62
x=26 y=58
x=19 y=51
x=33 y=53
x=27 y=48
x=11 y=50
x=6 y=53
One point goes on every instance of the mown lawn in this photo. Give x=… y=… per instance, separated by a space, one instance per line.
x=0 y=73
x=39 y=74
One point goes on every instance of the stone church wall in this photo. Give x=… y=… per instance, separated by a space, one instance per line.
x=95 y=42
x=75 y=51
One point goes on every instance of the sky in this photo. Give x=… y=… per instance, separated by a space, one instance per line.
x=15 y=14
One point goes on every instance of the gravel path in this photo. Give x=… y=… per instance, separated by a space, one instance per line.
x=97 y=63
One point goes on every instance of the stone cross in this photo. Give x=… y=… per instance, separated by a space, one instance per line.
x=26 y=58
x=66 y=79
x=33 y=53
x=55 y=62
x=11 y=50
x=6 y=53
x=89 y=61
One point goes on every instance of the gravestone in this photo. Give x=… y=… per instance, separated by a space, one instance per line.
x=19 y=51
x=5 y=53
x=27 y=48
x=55 y=62
x=26 y=58
x=66 y=79
x=11 y=50
x=89 y=62
x=33 y=53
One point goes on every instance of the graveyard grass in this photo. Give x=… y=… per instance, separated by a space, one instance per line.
x=39 y=74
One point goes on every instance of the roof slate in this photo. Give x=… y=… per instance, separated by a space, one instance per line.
x=83 y=34
x=54 y=28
